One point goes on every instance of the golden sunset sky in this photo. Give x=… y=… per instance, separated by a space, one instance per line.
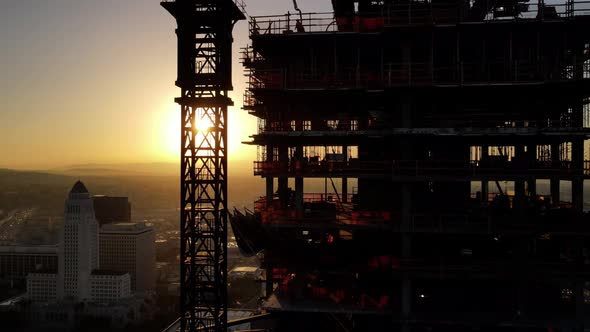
x=92 y=81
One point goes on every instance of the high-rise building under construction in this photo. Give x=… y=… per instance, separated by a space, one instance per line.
x=441 y=133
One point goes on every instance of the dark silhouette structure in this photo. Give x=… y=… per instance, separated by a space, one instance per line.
x=111 y=209
x=204 y=76
x=436 y=125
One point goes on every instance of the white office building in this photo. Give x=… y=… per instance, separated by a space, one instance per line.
x=78 y=278
x=78 y=253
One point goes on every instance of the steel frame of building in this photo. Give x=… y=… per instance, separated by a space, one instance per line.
x=394 y=83
x=204 y=75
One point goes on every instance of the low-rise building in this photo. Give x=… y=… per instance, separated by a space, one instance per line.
x=42 y=286
x=109 y=286
x=18 y=261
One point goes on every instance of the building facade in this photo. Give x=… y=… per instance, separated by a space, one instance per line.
x=130 y=247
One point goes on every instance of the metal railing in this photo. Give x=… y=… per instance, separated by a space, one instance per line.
x=293 y=23
x=415 y=12
x=419 y=168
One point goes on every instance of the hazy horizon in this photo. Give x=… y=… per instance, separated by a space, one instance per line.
x=234 y=164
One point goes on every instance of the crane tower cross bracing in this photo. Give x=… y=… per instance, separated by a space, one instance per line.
x=204 y=35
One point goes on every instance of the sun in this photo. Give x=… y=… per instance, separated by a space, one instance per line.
x=203 y=125
x=168 y=125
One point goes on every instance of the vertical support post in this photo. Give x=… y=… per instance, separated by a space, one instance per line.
x=532 y=159
x=344 y=198
x=283 y=181
x=554 y=182
x=519 y=188
x=269 y=281
x=580 y=306
x=299 y=184
x=299 y=195
x=578 y=178
x=269 y=179
x=406 y=253
x=269 y=190
x=485 y=186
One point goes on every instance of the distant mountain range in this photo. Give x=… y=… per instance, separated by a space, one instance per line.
x=128 y=169
x=239 y=168
x=10 y=176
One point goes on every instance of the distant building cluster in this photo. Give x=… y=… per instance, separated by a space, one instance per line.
x=102 y=265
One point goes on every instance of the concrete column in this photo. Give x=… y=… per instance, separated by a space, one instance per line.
x=532 y=158
x=283 y=189
x=532 y=188
x=344 y=190
x=283 y=181
x=578 y=180
x=485 y=187
x=299 y=184
x=406 y=303
x=406 y=253
x=406 y=210
x=299 y=194
x=554 y=182
x=344 y=197
x=519 y=196
x=269 y=179
x=406 y=191
x=580 y=310
x=519 y=191
x=555 y=191
x=269 y=190
x=522 y=298
x=269 y=282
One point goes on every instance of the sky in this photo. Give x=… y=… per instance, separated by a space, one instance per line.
x=92 y=81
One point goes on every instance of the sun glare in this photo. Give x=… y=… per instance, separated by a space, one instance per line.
x=203 y=124
x=167 y=129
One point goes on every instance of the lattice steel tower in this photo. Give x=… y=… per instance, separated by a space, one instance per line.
x=204 y=75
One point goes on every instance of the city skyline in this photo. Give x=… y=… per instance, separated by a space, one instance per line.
x=88 y=82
